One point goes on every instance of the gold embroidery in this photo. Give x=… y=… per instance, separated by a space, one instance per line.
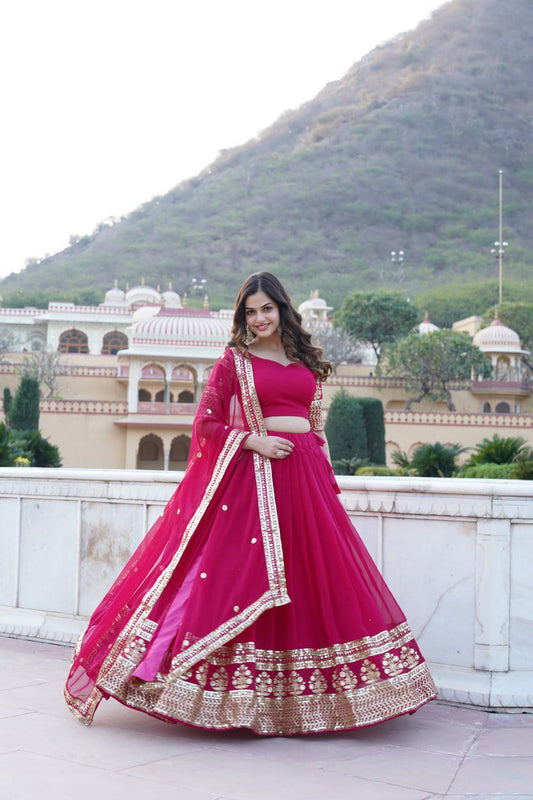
x=263 y=684
x=242 y=677
x=315 y=410
x=279 y=685
x=409 y=657
x=219 y=680
x=201 y=675
x=343 y=679
x=317 y=682
x=296 y=683
x=391 y=664
x=369 y=672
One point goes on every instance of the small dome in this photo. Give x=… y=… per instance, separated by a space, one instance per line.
x=114 y=295
x=497 y=337
x=171 y=299
x=141 y=295
x=426 y=326
x=144 y=312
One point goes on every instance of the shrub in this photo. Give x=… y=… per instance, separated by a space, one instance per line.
x=24 y=411
x=345 y=428
x=435 y=460
x=375 y=470
x=523 y=469
x=375 y=428
x=348 y=466
x=488 y=470
x=498 y=451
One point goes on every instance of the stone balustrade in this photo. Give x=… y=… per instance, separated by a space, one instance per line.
x=458 y=555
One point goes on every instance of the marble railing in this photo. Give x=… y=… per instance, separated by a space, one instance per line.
x=458 y=555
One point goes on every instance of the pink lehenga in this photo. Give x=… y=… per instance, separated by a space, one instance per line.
x=252 y=601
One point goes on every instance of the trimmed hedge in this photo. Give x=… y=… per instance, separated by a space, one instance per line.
x=345 y=428
x=375 y=428
x=377 y=470
x=489 y=470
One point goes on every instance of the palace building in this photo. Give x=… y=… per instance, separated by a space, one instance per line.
x=133 y=369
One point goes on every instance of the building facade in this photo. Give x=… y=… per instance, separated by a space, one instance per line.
x=134 y=368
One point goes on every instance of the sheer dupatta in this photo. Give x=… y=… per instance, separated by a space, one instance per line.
x=124 y=623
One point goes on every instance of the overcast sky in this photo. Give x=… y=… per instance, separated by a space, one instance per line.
x=107 y=103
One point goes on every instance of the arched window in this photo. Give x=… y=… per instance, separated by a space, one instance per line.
x=36 y=344
x=73 y=341
x=179 y=452
x=503 y=408
x=486 y=408
x=145 y=396
x=185 y=397
x=150 y=452
x=160 y=396
x=113 y=342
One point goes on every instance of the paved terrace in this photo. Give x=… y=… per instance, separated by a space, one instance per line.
x=442 y=751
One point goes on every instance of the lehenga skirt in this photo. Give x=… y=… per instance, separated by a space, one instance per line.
x=340 y=655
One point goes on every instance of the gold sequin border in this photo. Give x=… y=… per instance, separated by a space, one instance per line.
x=181 y=701
x=305 y=658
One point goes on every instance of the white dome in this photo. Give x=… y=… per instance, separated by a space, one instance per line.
x=187 y=326
x=426 y=326
x=171 y=299
x=497 y=337
x=114 y=295
x=144 y=313
x=142 y=294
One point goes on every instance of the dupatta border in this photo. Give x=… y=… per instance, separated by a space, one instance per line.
x=266 y=498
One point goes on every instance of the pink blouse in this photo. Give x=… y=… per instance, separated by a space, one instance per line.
x=283 y=391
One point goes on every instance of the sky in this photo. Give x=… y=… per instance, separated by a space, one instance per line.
x=108 y=103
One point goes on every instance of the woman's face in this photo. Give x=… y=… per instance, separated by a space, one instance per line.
x=261 y=315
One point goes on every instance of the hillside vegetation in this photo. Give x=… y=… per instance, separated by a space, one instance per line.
x=402 y=153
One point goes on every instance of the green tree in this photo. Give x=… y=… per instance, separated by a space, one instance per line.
x=429 y=363
x=345 y=428
x=8 y=401
x=376 y=317
x=518 y=316
x=24 y=412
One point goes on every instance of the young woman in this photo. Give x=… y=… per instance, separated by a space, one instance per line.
x=252 y=601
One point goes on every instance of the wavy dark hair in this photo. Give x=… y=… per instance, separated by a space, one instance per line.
x=295 y=339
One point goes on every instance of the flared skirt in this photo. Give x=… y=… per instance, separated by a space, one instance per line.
x=340 y=655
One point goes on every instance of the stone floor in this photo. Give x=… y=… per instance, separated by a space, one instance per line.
x=439 y=752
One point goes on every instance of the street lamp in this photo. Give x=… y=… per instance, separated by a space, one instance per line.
x=499 y=247
x=198 y=284
x=397 y=258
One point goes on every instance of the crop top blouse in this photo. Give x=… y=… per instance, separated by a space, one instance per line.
x=283 y=391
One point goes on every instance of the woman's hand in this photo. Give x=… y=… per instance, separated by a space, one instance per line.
x=269 y=446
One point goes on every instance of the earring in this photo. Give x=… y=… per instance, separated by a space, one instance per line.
x=249 y=335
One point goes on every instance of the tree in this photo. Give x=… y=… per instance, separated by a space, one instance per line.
x=345 y=428
x=46 y=366
x=518 y=316
x=8 y=401
x=428 y=363
x=376 y=317
x=337 y=345
x=24 y=412
x=7 y=340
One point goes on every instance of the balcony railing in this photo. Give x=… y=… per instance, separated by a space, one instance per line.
x=186 y=409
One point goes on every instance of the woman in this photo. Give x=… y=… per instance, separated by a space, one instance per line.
x=252 y=602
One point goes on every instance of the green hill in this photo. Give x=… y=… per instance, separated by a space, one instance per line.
x=402 y=153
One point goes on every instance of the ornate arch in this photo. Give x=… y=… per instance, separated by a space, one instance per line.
x=114 y=341
x=73 y=341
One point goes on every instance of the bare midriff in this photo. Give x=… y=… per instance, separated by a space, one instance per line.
x=287 y=424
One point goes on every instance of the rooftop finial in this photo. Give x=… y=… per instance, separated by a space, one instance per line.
x=206 y=302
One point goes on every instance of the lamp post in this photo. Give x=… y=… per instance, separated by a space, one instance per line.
x=499 y=247
x=198 y=284
x=396 y=256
